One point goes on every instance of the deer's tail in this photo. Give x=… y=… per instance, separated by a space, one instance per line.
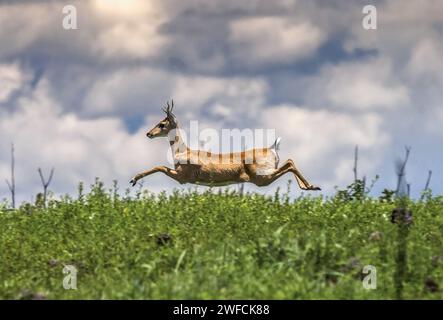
x=276 y=144
x=274 y=148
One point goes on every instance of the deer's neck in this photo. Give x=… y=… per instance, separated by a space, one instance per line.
x=177 y=143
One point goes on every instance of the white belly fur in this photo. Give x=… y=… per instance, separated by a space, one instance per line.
x=215 y=184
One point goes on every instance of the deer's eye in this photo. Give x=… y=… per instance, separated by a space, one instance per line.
x=161 y=125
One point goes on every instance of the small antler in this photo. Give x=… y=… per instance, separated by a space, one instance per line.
x=168 y=109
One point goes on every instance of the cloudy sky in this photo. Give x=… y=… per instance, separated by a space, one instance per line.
x=82 y=100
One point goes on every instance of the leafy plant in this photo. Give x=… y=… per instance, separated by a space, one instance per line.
x=218 y=244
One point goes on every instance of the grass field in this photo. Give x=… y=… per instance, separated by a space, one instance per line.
x=218 y=245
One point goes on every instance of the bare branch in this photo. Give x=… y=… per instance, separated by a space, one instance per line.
x=355 y=163
x=11 y=184
x=45 y=183
x=401 y=166
x=241 y=189
x=428 y=180
x=41 y=176
x=51 y=175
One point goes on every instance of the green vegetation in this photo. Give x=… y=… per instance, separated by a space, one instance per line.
x=219 y=245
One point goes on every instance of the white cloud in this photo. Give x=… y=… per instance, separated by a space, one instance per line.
x=401 y=24
x=11 y=79
x=129 y=28
x=412 y=12
x=370 y=85
x=275 y=39
x=124 y=8
x=434 y=121
x=132 y=40
x=221 y=110
x=130 y=90
x=240 y=94
x=226 y=7
x=117 y=30
x=21 y=26
x=426 y=60
x=127 y=91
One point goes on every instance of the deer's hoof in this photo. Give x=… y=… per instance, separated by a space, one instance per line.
x=133 y=182
x=312 y=188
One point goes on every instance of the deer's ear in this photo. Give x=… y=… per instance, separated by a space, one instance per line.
x=172 y=118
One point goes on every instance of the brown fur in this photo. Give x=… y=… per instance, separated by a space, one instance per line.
x=257 y=166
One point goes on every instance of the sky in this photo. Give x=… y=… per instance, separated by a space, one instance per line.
x=81 y=100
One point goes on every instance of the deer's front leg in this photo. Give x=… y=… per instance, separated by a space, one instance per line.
x=169 y=172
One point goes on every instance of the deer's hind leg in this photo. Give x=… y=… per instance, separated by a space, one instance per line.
x=262 y=180
x=302 y=182
x=288 y=166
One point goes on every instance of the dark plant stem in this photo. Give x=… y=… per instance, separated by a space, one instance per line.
x=401 y=259
x=241 y=189
x=11 y=185
x=428 y=180
x=403 y=219
x=355 y=163
x=401 y=170
x=45 y=183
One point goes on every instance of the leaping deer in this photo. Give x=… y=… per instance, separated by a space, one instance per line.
x=257 y=166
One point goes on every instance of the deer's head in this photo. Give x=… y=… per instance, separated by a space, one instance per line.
x=166 y=125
